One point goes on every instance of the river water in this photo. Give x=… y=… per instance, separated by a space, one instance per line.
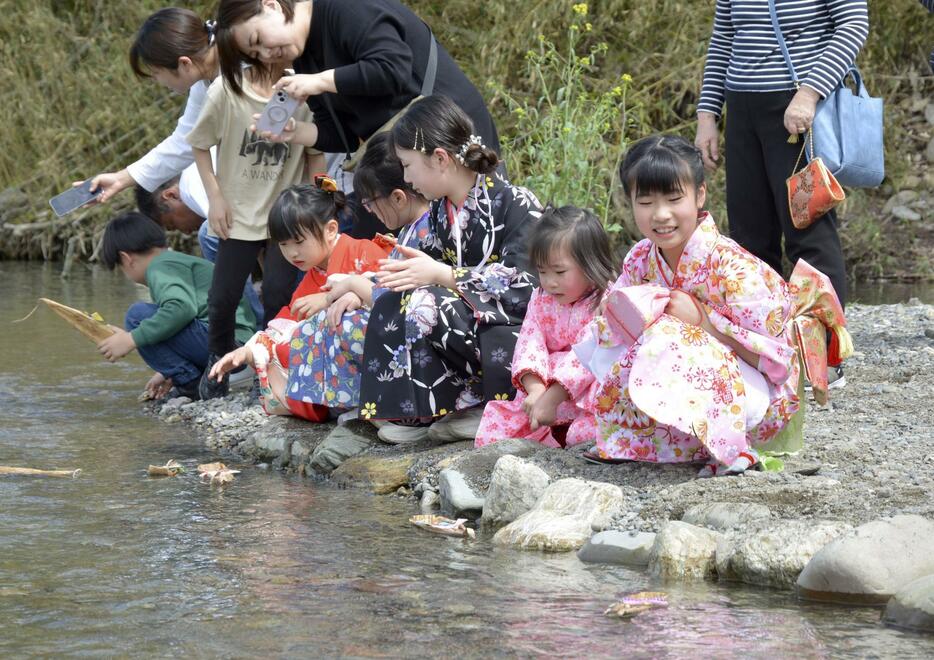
x=115 y=563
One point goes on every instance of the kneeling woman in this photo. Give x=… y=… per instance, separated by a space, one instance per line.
x=442 y=339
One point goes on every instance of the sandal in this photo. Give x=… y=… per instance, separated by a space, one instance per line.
x=593 y=457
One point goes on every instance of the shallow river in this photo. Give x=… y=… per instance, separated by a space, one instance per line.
x=115 y=563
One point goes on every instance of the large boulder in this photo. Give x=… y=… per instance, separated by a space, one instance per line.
x=614 y=547
x=913 y=606
x=515 y=487
x=723 y=516
x=564 y=517
x=774 y=555
x=340 y=444
x=871 y=564
x=379 y=474
x=682 y=550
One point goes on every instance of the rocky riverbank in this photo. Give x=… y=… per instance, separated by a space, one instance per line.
x=850 y=519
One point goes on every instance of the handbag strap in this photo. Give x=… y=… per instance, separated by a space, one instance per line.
x=781 y=42
x=807 y=143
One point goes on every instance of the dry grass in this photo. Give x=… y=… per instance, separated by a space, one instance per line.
x=75 y=108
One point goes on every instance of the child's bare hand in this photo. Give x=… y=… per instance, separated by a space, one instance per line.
x=116 y=345
x=684 y=307
x=346 y=303
x=231 y=361
x=309 y=305
x=158 y=386
x=545 y=410
x=415 y=270
x=534 y=393
x=220 y=217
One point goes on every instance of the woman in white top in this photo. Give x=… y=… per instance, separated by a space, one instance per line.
x=174 y=47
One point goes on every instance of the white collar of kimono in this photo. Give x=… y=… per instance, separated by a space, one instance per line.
x=696 y=251
x=481 y=196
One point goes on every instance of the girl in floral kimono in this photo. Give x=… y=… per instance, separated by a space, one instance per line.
x=707 y=369
x=303 y=221
x=571 y=251
x=441 y=340
x=327 y=349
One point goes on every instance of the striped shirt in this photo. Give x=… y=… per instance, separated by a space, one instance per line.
x=823 y=38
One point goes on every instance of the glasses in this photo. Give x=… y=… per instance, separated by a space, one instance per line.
x=368 y=203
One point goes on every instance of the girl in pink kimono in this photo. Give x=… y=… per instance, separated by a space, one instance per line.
x=571 y=252
x=693 y=354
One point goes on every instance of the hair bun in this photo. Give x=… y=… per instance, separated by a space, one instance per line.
x=340 y=200
x=481 y=158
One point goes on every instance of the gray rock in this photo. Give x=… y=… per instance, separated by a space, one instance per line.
x=515 y=487
x=477 y=464
x=929 y=152
x=339 y=445
x=428 y=501
x=872 y=563
x=613 y=547
x=901 y=198
x=458 y=499
x=776 y=554
x=913 y=606
x=682 y=550
x=564 y=517
x=905 y=213
x=725 y=515
x=300 y=452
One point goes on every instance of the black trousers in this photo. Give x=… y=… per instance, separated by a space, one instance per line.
x=758 y=161
x=235 y=261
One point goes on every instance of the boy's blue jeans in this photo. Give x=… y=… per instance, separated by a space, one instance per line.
x=208 y=245
x=182 y=357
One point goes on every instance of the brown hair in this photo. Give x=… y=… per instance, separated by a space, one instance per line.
x=231 y=13
x=167 y=35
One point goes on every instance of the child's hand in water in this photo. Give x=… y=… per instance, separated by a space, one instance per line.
x=685 y=307
x=242 y=355
x=415 y=270
x=346 y=303
x=116 y=345
x=219 y=217
x=158 y=386
x=309 y=305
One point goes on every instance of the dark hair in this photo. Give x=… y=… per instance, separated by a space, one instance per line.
x=231 y=13
x=437 y=122
x=167 y=35
x=130 y=232
x=151 y=204
x=582 y=233
x=302 y=209
x=379 y=171
x=659 y=164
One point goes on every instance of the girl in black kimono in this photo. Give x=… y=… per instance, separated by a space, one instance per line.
x=441 y=340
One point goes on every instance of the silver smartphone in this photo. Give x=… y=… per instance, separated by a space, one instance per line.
x=73 y=198
x=277 y=112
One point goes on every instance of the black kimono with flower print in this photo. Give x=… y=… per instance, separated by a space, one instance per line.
x=433 y=350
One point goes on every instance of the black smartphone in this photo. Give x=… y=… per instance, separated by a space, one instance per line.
x=73 y=198
x=277 y=112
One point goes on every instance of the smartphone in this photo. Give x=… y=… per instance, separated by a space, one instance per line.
x=73 y=198
x=277 y=112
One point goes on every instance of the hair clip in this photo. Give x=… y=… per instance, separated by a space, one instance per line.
x=211 y=27
x=415 y=147
x=325 y=183
x=461 y=155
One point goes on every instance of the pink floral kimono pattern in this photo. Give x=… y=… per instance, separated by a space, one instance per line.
x=544 y=349
x=690 y=400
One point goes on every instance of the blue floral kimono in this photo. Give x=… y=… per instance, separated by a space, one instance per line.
x=433 y=350
x=325 y=364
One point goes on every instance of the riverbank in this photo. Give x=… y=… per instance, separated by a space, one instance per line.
x=868 y=456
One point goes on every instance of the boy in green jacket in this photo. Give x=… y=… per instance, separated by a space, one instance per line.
x=171 y=333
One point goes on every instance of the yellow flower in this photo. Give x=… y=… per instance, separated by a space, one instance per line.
x=574 y=28
x=442 y=412
x=617 y=91
x=588 y=27
x=580 y=8
x=584 y=61
x=502 y=397
x=626 y=78
x=541 y=39
x=368 y=411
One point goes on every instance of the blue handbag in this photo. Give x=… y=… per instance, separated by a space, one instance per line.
x=847 y=128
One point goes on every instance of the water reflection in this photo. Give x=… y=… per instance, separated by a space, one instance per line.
x=116 y=563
